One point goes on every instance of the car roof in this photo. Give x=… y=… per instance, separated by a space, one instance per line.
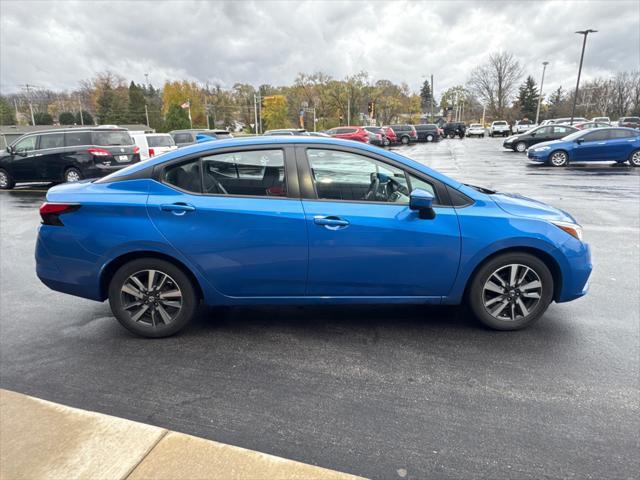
x=211 y=146
x=77 y=129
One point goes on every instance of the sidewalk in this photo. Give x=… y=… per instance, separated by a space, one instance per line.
x=45 y=440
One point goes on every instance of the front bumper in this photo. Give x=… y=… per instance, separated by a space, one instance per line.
x=538 y=156
x=576 y=271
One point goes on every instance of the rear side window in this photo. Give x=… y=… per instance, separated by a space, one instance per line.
x=252 y=173
x=51 y=140
x=596 y=136
x=623 y=134
x=111 y=138
x=346 y=130
x=565 y=130
x=72 y=139
x=185 y=176
x=160 y=141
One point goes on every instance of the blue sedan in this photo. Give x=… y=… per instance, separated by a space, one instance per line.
x=303 y=220
x=600 y=144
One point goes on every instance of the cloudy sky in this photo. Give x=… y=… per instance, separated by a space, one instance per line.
x=54 y=44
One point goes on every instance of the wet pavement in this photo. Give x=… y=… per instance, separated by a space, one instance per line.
x=383 y=392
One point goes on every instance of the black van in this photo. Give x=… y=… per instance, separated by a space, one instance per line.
x=66 y=155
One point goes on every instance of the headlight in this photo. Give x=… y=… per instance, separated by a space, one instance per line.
x=572 y=229
x=541 y=149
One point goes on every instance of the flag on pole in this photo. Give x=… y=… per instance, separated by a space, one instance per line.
x=185 y=105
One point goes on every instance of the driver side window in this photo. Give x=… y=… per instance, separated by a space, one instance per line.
x=26 y=144
x=341 y=175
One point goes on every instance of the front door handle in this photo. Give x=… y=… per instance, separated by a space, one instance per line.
x=177 y=208
x=330 y=222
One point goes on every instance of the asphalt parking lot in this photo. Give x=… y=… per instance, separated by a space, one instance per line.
x=383 y=392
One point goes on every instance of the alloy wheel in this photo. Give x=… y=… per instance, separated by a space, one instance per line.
x=512 y=292
x=72 y=176
x=559 y=159
x=635 y=158
x=4 y=180
x=151 y=297
x=521 y=147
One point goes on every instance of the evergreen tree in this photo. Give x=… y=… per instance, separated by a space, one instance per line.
x=43 y=118
x=7 y=116
x=66 y=118
x=177 y=118
x=528 y=98
x=426 y=96
x=556 y=103
x=87 y=118
x=136 y=104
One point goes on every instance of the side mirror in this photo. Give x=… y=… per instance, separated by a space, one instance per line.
x=422 y=201
x=579 y=141
x=533 y=134
x=11 y=150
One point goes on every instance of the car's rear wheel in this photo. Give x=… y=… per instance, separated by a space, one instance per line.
x=634 y=159
x=511 y=291
x=152 y=298
x=429 y=138
x=559 y=159
x=404 y=140
x=6 y=182
x=72 y=175
x=521 y=147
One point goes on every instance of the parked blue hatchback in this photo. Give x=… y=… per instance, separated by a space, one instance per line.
x=600 y=144
x=303 y=220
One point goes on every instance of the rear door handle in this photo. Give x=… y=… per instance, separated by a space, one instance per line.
x=177 y=208
x=330 y=222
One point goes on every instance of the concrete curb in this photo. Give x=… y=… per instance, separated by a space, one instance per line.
x=45 y=440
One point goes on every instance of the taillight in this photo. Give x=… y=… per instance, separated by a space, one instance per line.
x=99 y=152
x=50 y=212
x=136 y=149
x=152 y=152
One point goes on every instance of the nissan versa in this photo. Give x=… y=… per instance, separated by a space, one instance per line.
x=292 y=220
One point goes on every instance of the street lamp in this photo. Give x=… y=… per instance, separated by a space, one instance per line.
x=544 y=67
x=584 y=43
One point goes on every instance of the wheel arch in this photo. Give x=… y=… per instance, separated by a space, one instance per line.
x=546 y=258
x=112 y=267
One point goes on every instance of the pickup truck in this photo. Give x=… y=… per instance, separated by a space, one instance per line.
x=499 y=127
x=522 y=126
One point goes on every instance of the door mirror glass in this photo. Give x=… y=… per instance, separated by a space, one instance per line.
x=422 y=201
x=579 y=141
x=11 y=150
x=533 y=134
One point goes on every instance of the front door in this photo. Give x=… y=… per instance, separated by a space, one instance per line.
x=230 y=215
x=24 y=161
x=363 y=238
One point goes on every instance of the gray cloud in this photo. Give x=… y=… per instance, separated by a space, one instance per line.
x=56 y=44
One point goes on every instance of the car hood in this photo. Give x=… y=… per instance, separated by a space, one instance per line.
x=521 y=206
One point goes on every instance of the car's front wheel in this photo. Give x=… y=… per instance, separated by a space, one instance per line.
x=405 y=140
x=152 y=297
x=634 y=159
x=521 y=147
x=511 y=291
x=6 y=182
x=559 y=159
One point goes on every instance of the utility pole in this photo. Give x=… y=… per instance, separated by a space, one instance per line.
x=206 y=112
x=146 y=113
x=349 y=111
x=81 y=117
x=255 y=113
x=15 y=104
x=27 y=86
x=432 y=98
x=146 y=80
x=544 y=68
x=584 y=44
x=484 y=109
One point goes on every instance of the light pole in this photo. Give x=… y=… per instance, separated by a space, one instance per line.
x=544 y=67
x=584 y=43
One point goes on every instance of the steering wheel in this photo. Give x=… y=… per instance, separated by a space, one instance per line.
x=372 y=192
x=215 y=184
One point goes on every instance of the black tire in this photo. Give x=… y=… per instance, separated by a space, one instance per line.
x=151 y=323
x=429 y=138
x=6 y=182
x=479 y=296
x=559 y=158
x=520 y=147
x=491 y=135
x=404 y=140
x=72 y=174
x=634 y=158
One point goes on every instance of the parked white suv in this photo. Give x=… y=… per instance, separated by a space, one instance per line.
x=601 y=120
x=499 y=127
x=522 y=126
x=152 y=144
x=475 y=130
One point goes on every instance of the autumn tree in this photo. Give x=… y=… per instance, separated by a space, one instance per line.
x=180 y=92
x=275 y=112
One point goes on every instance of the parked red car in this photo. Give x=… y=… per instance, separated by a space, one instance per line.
x=391 y=135
x=358 y=134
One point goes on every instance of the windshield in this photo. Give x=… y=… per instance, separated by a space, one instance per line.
x=111 y=137
x=499 y=123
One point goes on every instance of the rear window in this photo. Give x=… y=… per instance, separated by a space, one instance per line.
x=184 y=137
x=160 y=141
x=631 y=119
x=111 y=137
x=221 y=135
x=499 y=123
x=72 y=139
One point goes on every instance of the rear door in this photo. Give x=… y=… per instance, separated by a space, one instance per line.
x=51 y=149
x=236 y=215
x=621 y=144
x=363 y=239
x=594 y=146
